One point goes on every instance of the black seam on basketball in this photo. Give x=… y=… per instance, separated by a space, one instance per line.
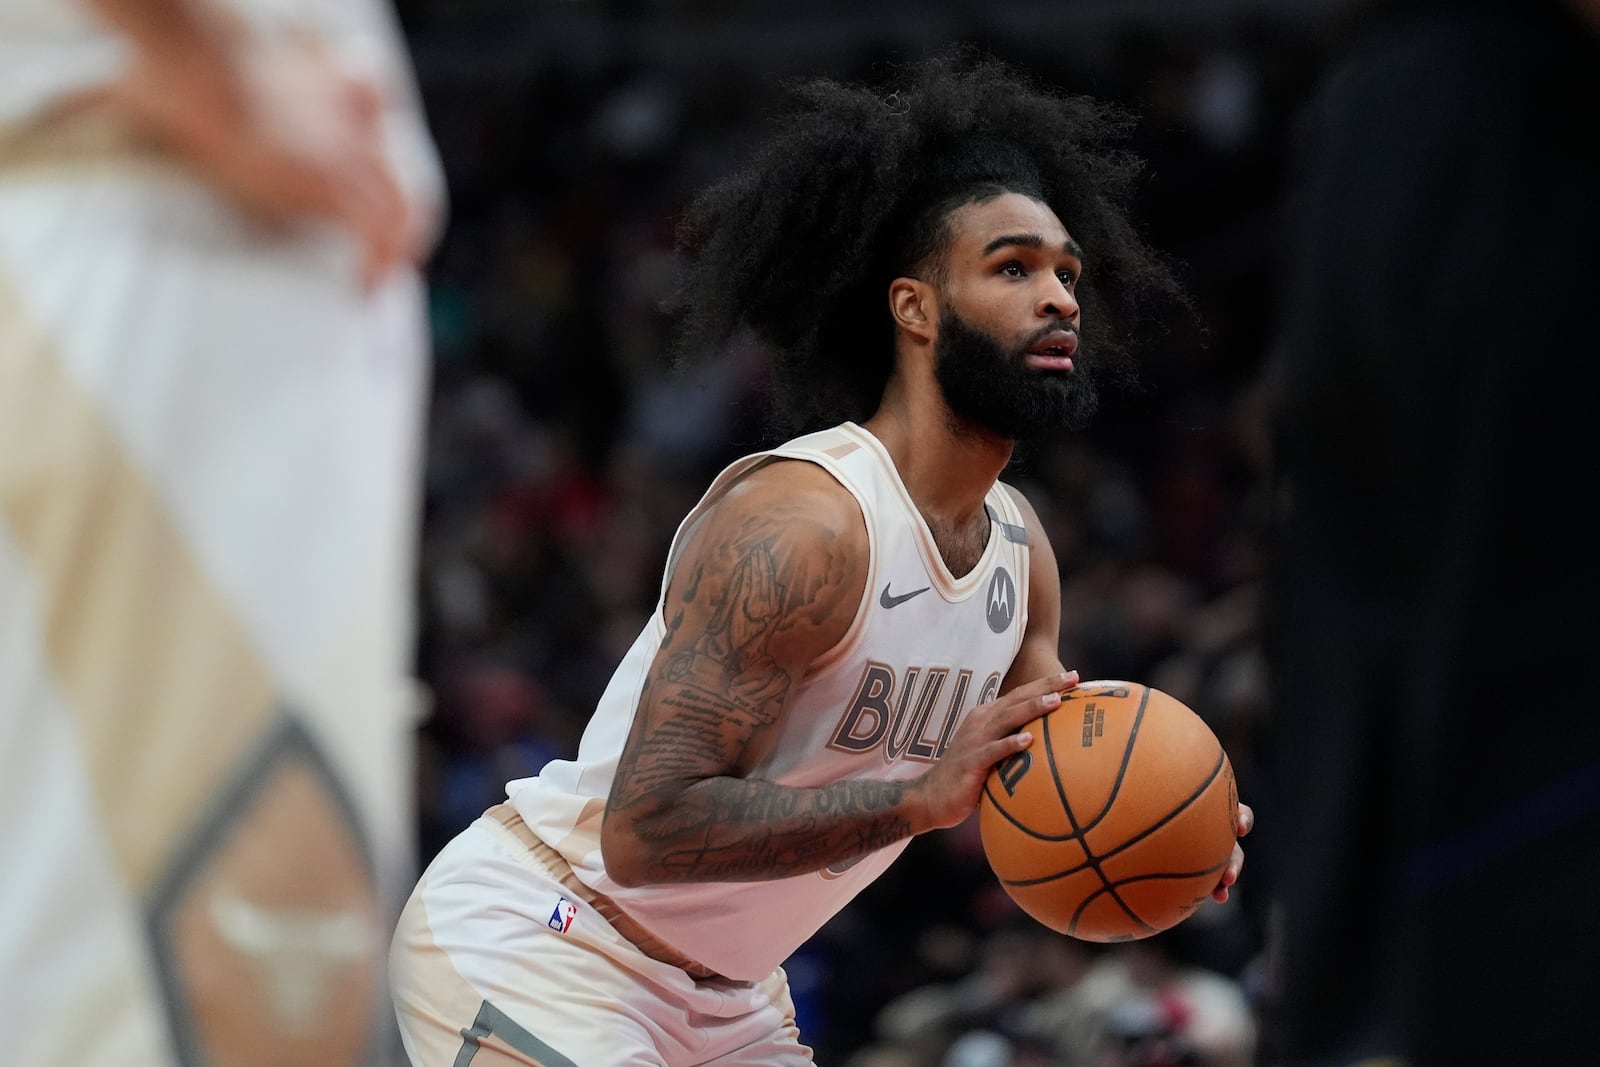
x=1055 y=777
x=1122 y=771
x=1090 y=859
x=994 y=802
x=1127 y=758
x=1112 y=888
x=1072 y=924
x=1166 y=875
x=1050 y=757
x=1093 y=860
x=1170 y=875
x=1111 y=798
x=1174 y=813
x=1116 y=786
x=1042 y=879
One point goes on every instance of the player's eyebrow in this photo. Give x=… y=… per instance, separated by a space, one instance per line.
x=1032 y=240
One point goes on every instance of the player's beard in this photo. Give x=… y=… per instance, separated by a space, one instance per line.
x=992 y=388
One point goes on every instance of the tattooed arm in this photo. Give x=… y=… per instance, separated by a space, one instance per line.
x=769 y=580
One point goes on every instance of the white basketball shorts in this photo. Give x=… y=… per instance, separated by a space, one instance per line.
x=496 y=962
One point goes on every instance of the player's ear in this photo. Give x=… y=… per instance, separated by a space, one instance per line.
x=913 y=305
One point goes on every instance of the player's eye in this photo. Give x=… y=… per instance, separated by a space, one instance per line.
x=1013 y=268
x=1068 y=278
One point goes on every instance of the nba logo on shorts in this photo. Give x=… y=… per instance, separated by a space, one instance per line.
x=561 y=918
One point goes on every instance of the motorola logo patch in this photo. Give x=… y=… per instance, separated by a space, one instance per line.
x=1001 y=601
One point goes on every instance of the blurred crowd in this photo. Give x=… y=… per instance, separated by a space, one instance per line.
x=564 y=450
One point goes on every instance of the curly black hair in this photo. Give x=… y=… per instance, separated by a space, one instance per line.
x=855 y=188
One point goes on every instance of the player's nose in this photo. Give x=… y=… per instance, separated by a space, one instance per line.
x=1056 y=301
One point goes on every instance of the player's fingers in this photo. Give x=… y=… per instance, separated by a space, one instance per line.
x=1004 y=748
x=1230 y=875
x=1049 y=684
x=1008 y=718
x=1037 y=697
x=1004 y=717
x=1247 y=819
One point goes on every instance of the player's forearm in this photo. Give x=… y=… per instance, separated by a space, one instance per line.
x=736 y=829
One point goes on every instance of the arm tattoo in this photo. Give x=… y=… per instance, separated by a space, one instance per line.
x=718 y=688
x=734 y=829
x=731 y=657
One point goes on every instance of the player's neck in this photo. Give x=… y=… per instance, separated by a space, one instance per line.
x=947 y=472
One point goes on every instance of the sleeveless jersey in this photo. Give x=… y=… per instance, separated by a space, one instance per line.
x=924 y=649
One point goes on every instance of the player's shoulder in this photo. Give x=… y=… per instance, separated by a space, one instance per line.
x=790 y=523
x=798 y=492
x=797 y=484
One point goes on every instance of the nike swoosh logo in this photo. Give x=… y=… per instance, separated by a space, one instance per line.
x=887 y=600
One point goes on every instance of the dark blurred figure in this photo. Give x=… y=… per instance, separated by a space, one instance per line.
x=1437 y=840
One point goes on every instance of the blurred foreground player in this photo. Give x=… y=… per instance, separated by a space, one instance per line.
x=1435 y=583
x=212 y=371
x=852 y=627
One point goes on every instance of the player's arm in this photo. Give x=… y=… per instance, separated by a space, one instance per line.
x=1040 y=654
x=772 y=578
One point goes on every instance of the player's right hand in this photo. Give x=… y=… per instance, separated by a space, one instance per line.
x=278 y=129
x=950 y=791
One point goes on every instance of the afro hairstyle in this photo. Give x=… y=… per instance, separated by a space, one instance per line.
x=855 y=187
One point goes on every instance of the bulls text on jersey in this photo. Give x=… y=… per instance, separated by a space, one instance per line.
x=883 y=714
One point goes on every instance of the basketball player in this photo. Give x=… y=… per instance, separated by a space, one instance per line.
x=211 y=375
x=853 y=627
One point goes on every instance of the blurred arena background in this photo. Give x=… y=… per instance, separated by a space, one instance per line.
x=563 y=450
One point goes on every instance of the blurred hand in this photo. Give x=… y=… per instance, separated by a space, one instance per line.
x=951 y=790
x=277 y=128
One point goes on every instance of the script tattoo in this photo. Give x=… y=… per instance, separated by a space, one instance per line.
x=733 y=829
x=714 y=699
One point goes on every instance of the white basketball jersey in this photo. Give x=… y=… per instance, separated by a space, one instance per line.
x=925 y=648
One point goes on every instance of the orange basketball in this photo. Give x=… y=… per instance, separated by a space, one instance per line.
x=1118 y=820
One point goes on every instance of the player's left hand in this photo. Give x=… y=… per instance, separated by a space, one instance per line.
x=1247 y=819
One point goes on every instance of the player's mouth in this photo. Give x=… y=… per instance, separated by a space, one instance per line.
x=1053 y=351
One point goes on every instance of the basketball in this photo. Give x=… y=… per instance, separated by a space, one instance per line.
x=1118 y=820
